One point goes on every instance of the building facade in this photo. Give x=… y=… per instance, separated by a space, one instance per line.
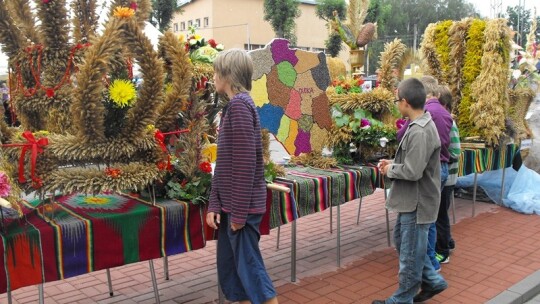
x=241 y=24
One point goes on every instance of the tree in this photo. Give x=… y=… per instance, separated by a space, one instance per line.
x=281 y=15
x=325 y=10
x=520 y=20
x=163 y=11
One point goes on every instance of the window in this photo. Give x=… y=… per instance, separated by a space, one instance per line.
x=198 y=23
x=182 y=26
x=253 y=46
x=314 y=49
x=176 y=27
x=190 y=23
x=206 y=23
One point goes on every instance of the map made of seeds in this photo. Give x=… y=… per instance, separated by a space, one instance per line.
x=289 y=90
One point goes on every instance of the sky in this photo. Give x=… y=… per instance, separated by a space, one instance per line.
x=484 y=6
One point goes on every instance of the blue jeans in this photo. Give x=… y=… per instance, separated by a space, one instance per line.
x=415 y=268
x=241 y=272
x=432 y=236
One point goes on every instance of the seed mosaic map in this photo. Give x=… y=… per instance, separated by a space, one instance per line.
x=289 y=90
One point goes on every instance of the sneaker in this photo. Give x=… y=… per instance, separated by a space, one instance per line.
x=442 y=259
x=425 y=295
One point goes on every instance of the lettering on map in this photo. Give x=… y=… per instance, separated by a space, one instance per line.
x=305 y=90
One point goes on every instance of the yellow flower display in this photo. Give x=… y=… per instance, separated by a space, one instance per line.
x=209 y=152
x=122 y=93
x=124 y=12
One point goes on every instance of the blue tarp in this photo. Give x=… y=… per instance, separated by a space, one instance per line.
x=524 y=195
x=521 y=188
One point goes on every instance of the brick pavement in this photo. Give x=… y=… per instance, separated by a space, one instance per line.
x=495 y=249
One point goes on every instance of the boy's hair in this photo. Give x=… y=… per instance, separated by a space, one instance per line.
x=236 y=67
x=431 y=85
x=446 y=98
x=413 y=92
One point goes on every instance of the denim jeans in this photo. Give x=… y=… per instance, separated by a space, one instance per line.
x=432 y=236
x=240 y=267
x=415 y=268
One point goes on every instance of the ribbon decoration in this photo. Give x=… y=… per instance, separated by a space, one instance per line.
x=37 y=147
x=160 y=138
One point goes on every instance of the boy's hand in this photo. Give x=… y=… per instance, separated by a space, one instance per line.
x=236 y=227
x=213 y=219
x=383 y=165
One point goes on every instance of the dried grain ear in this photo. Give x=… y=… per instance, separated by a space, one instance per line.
x=180 y=74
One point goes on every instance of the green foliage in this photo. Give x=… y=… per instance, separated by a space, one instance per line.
x=162 y=13
x=281 y=15
x=325 y=9
x=196 y=190
x=270 y=172
x=367 y=133
x=471 y=70
x=333 y=44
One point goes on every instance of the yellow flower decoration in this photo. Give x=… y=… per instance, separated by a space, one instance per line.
x=168 y=88
x=124 y=12
x=122 y=93
x=150 y=128
x=209 y=152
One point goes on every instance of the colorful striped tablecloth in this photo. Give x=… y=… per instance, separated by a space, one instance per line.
x=79 y=234
x=487 y=159
x=314 y=190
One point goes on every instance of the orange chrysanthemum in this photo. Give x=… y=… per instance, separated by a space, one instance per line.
x=124 y=12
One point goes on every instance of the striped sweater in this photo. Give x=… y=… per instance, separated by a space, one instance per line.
x=455 y=150
x=238 y=185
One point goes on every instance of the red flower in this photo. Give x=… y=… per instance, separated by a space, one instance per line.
x=212 y=43
x=133 y=6
x=183 y=183
x=360 y=81
x=113 y=172
x=49 y=93
x=205 y=167
x=37 y=183
x=400 y=123
x=46 y=1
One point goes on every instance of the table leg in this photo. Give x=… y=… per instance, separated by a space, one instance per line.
x=502 y=186
x=359 y=208
x=109 y=282
x=331 y=219
x=166 y=267
x=293 y=252
x=9 y=296
x=338 y=235
x=40 y=294
x=474 y=193
x=387 y=220
x=154 y=281
x=278 y=234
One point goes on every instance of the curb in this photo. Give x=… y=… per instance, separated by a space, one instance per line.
x=521 y=292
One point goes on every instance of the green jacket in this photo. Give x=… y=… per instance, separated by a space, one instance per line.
x=416 y=172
